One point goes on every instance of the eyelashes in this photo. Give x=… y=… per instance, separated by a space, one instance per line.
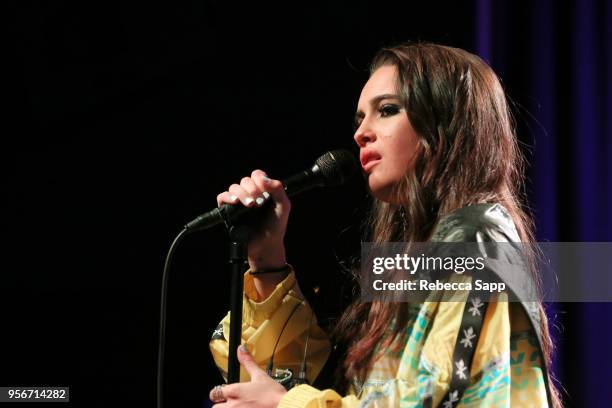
x=389 y=109
x=386 y=110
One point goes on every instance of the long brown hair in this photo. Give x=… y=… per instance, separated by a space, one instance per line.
x=468 y=154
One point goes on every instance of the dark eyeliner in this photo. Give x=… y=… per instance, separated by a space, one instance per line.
x=389 y=109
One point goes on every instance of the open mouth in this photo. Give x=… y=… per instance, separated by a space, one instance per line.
x=369 y=160
x=369 y=164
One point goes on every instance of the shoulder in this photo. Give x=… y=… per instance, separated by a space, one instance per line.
x=489 y=222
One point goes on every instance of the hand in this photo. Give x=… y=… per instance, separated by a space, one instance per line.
x=262 y=391
x=266 y=248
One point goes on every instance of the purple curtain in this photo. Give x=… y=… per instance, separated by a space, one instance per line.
x=564 y=49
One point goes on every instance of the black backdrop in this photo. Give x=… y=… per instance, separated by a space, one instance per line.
x=125 y=120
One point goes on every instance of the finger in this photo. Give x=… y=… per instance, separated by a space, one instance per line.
x=260 y=179
x=246 y=360
x=242 y=195
x=274 y=187
x=232 y=390
x=226 y=198
x=251 y=188
x=217 y=394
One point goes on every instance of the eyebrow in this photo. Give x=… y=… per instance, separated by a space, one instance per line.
x=374 y=101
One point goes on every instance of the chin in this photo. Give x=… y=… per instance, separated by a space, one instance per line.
x=382 y=191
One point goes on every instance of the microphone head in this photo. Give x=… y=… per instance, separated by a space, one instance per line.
x=336 y=167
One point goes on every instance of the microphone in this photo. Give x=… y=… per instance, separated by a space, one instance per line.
x=333 y=168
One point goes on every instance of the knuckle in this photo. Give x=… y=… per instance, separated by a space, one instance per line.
x=250 y=187
x=258 y=179
x=231 y=391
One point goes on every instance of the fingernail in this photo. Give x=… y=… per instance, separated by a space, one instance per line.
x=233 y=198
x=259 y=200
x=266 y=195
x=248 y=201
x=243 y=349
x=266 y=179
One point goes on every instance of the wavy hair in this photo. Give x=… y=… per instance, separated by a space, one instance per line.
x=467 y=154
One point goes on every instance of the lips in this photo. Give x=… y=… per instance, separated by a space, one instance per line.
x=368 y=159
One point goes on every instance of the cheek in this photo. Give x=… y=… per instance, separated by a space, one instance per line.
x=403 y=152
x=406 y=147
x=397 y=169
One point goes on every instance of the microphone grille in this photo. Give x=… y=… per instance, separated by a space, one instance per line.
x=336 y=167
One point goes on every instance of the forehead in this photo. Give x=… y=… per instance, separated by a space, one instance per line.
x=382 y=81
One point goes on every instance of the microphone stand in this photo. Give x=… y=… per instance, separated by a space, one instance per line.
x=239 y=237
x=332 y=168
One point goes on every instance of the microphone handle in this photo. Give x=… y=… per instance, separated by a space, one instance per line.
x=230 y=213
x=303 y=181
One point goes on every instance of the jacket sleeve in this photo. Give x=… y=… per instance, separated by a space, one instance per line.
x=283 y=321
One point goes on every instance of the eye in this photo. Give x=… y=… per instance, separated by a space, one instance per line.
x=389 y=109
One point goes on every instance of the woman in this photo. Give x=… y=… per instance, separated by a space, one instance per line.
x=441 y=160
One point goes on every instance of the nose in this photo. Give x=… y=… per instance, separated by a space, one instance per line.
x=364 y=135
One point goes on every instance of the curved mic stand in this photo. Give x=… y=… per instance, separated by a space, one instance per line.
x=239 y=237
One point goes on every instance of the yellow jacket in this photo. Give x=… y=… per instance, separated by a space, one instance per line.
x=506 y=369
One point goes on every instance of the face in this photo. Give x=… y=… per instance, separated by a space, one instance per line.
x=386 y=139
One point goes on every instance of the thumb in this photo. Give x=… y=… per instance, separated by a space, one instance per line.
x=246 y=360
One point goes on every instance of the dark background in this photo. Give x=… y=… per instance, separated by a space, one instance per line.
x=125 y=119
